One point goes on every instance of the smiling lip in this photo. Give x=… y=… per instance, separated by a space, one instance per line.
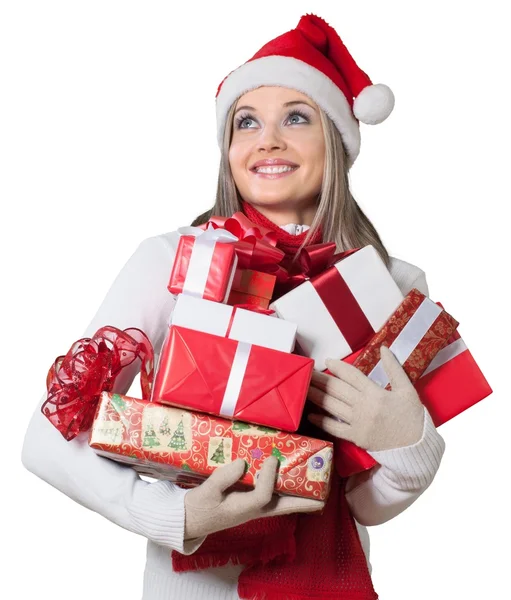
x=274 y=167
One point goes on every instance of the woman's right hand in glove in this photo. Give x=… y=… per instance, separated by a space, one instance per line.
x=211 y=507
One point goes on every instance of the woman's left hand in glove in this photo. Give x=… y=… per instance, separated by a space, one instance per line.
x=365 y=413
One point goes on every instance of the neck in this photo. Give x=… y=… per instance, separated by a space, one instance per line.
x=280 y=215
x=287 y=242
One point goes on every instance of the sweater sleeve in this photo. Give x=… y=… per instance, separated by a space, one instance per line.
x=137 y=298
x=402 y=474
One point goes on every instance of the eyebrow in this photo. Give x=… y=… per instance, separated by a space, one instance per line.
x=292 y=103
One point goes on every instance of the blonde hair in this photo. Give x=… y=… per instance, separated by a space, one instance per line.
x=340 y=217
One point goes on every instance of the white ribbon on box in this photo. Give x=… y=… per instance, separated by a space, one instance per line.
x=409 y=338
x=202 y=257
x=235 y=381
x=446 y=354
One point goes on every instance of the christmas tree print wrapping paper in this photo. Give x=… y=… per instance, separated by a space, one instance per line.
x=186 y=447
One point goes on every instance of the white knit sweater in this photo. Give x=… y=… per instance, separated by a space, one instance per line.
x=139 y=298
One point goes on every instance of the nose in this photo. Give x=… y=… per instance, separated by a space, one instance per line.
x=271 y=139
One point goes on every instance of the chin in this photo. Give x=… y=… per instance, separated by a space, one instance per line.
x=269 y=200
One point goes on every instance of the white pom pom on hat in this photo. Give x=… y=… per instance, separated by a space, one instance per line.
x=374 y=104
x=313 y=60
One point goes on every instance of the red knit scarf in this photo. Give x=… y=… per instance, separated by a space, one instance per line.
x=297 y=556
x=287 y=242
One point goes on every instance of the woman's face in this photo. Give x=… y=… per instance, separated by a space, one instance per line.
x=277 y=152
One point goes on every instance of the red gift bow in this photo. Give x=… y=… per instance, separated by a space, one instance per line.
x=256 y=249
x=256 y=246
x=311 y=261
x=75 y=381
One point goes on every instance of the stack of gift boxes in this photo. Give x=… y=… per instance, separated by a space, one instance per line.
x=227 y=384
x=234 y=369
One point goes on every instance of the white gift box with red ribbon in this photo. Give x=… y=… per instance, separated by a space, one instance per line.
x=235 y=323
x=338 y=311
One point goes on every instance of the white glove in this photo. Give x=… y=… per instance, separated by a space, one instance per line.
x=366 y=414
x=211 y=507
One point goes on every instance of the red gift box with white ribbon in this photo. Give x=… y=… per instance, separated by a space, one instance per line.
x=451 y=383
x=232 y=379
x=204 y=264
x=339 y=310
x=415 y=334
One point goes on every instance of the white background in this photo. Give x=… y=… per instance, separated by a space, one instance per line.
x=108 y=136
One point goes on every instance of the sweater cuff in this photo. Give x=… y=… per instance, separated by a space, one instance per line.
x=414 y=467
x=158 y=513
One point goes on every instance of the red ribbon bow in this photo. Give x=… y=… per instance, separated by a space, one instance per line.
x=256 y=246
x=75 y=381
x=311 y=261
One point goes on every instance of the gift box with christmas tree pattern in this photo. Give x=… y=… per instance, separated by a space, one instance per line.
x=186 y=447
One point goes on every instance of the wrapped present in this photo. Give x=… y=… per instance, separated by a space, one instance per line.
x=186 y=447
x=339 y=310
x=252 y=287
x=418 y=352
x=204 y=264
x=415 y=333
x=235 y=380
x=254 y=326
x=452 y=382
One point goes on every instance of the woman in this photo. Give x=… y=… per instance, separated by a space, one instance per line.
x=288 y=136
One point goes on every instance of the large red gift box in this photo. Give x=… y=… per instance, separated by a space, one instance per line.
x=236 y=380
x=205 y=264
x=186 y=447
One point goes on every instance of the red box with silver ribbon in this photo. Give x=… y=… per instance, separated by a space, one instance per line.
x=452 y=383
x=339 y=310
x=232 y=379
x=415 y=334
x=448 y=384
x=204 y=264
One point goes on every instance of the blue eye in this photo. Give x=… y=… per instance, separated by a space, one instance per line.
x=243 y=118
x=299 y=114
x=244 y=121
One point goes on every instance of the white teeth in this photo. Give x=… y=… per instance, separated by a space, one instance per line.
x=279 y=169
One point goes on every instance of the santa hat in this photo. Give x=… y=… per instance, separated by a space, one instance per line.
x=313 y=60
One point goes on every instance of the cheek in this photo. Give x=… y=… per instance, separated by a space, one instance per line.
x=313 y=151
x=237 y=159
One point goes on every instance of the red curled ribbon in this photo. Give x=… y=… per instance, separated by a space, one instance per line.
x=75 y=381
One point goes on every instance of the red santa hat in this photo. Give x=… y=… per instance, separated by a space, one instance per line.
x=313 y=60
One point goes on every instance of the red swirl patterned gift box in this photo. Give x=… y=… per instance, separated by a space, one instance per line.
x=417 y=331
x=186 y=447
